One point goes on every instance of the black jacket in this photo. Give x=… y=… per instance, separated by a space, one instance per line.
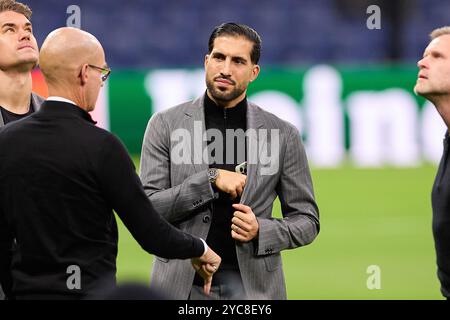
x=60 y=179
x=440 y=198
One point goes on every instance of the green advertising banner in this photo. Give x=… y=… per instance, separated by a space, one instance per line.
x=368 y=116
x=129 y=107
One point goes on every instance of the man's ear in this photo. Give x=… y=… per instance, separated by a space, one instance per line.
x=84 y=74
x=255 y=72
x=206 y=59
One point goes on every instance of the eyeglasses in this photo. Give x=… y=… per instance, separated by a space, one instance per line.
x=105 y=71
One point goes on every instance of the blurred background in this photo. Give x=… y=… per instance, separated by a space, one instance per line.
x=339 y=72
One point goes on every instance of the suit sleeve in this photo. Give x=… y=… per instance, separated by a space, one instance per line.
x=174 y=203
x=300 y=223
x=6 y=241
x=123 y=190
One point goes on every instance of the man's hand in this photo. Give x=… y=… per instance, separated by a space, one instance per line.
x=231 y=182
x=244 y=226
x=206 y=266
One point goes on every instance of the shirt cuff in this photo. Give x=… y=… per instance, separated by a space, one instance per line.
x=205 y=246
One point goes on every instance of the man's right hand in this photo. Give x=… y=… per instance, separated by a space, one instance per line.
x=231 y=182
x=206 y=266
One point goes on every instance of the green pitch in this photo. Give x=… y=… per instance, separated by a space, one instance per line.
x=368 y=217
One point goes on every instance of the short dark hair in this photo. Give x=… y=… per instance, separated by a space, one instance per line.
x=236 y=29
x=17 y=7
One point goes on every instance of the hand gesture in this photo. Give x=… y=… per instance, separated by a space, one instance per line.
x=231 y=182
x=244 y=225
x=206 y=266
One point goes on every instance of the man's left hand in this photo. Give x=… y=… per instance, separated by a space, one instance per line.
x=244 y=226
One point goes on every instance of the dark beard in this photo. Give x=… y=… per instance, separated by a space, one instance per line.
x=220 y=96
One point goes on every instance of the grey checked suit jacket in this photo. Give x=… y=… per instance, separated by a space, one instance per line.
x=36 y=102
x=182 y=194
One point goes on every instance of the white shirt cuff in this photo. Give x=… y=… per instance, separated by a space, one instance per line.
x=205 y=245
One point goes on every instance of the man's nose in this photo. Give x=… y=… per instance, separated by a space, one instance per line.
x=421 y=63
x=25 y=35
x=226 y=67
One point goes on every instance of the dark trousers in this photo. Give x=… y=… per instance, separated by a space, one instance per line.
x=227 y=285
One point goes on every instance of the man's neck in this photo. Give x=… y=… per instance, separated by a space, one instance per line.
x=15 y=91
x=442 y=104
x=227 y=104
x=68 y=93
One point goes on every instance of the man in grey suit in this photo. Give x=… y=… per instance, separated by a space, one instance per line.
x=19 y=55
x=206 y=167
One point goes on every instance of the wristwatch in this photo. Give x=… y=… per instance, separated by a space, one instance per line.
x=212 y=175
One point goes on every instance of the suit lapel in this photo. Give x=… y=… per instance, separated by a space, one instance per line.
x=195 y=124
x=36 y=102
x=254 y=122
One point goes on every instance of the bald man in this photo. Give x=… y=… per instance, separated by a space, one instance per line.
x=61 y=179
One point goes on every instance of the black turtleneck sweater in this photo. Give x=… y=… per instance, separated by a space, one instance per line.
x=9 y=116
x=216 y=117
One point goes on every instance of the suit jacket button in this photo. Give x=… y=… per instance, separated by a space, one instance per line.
x=206 y=219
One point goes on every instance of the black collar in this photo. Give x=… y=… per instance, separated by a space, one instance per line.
x=60 y=108
x=237 y=112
